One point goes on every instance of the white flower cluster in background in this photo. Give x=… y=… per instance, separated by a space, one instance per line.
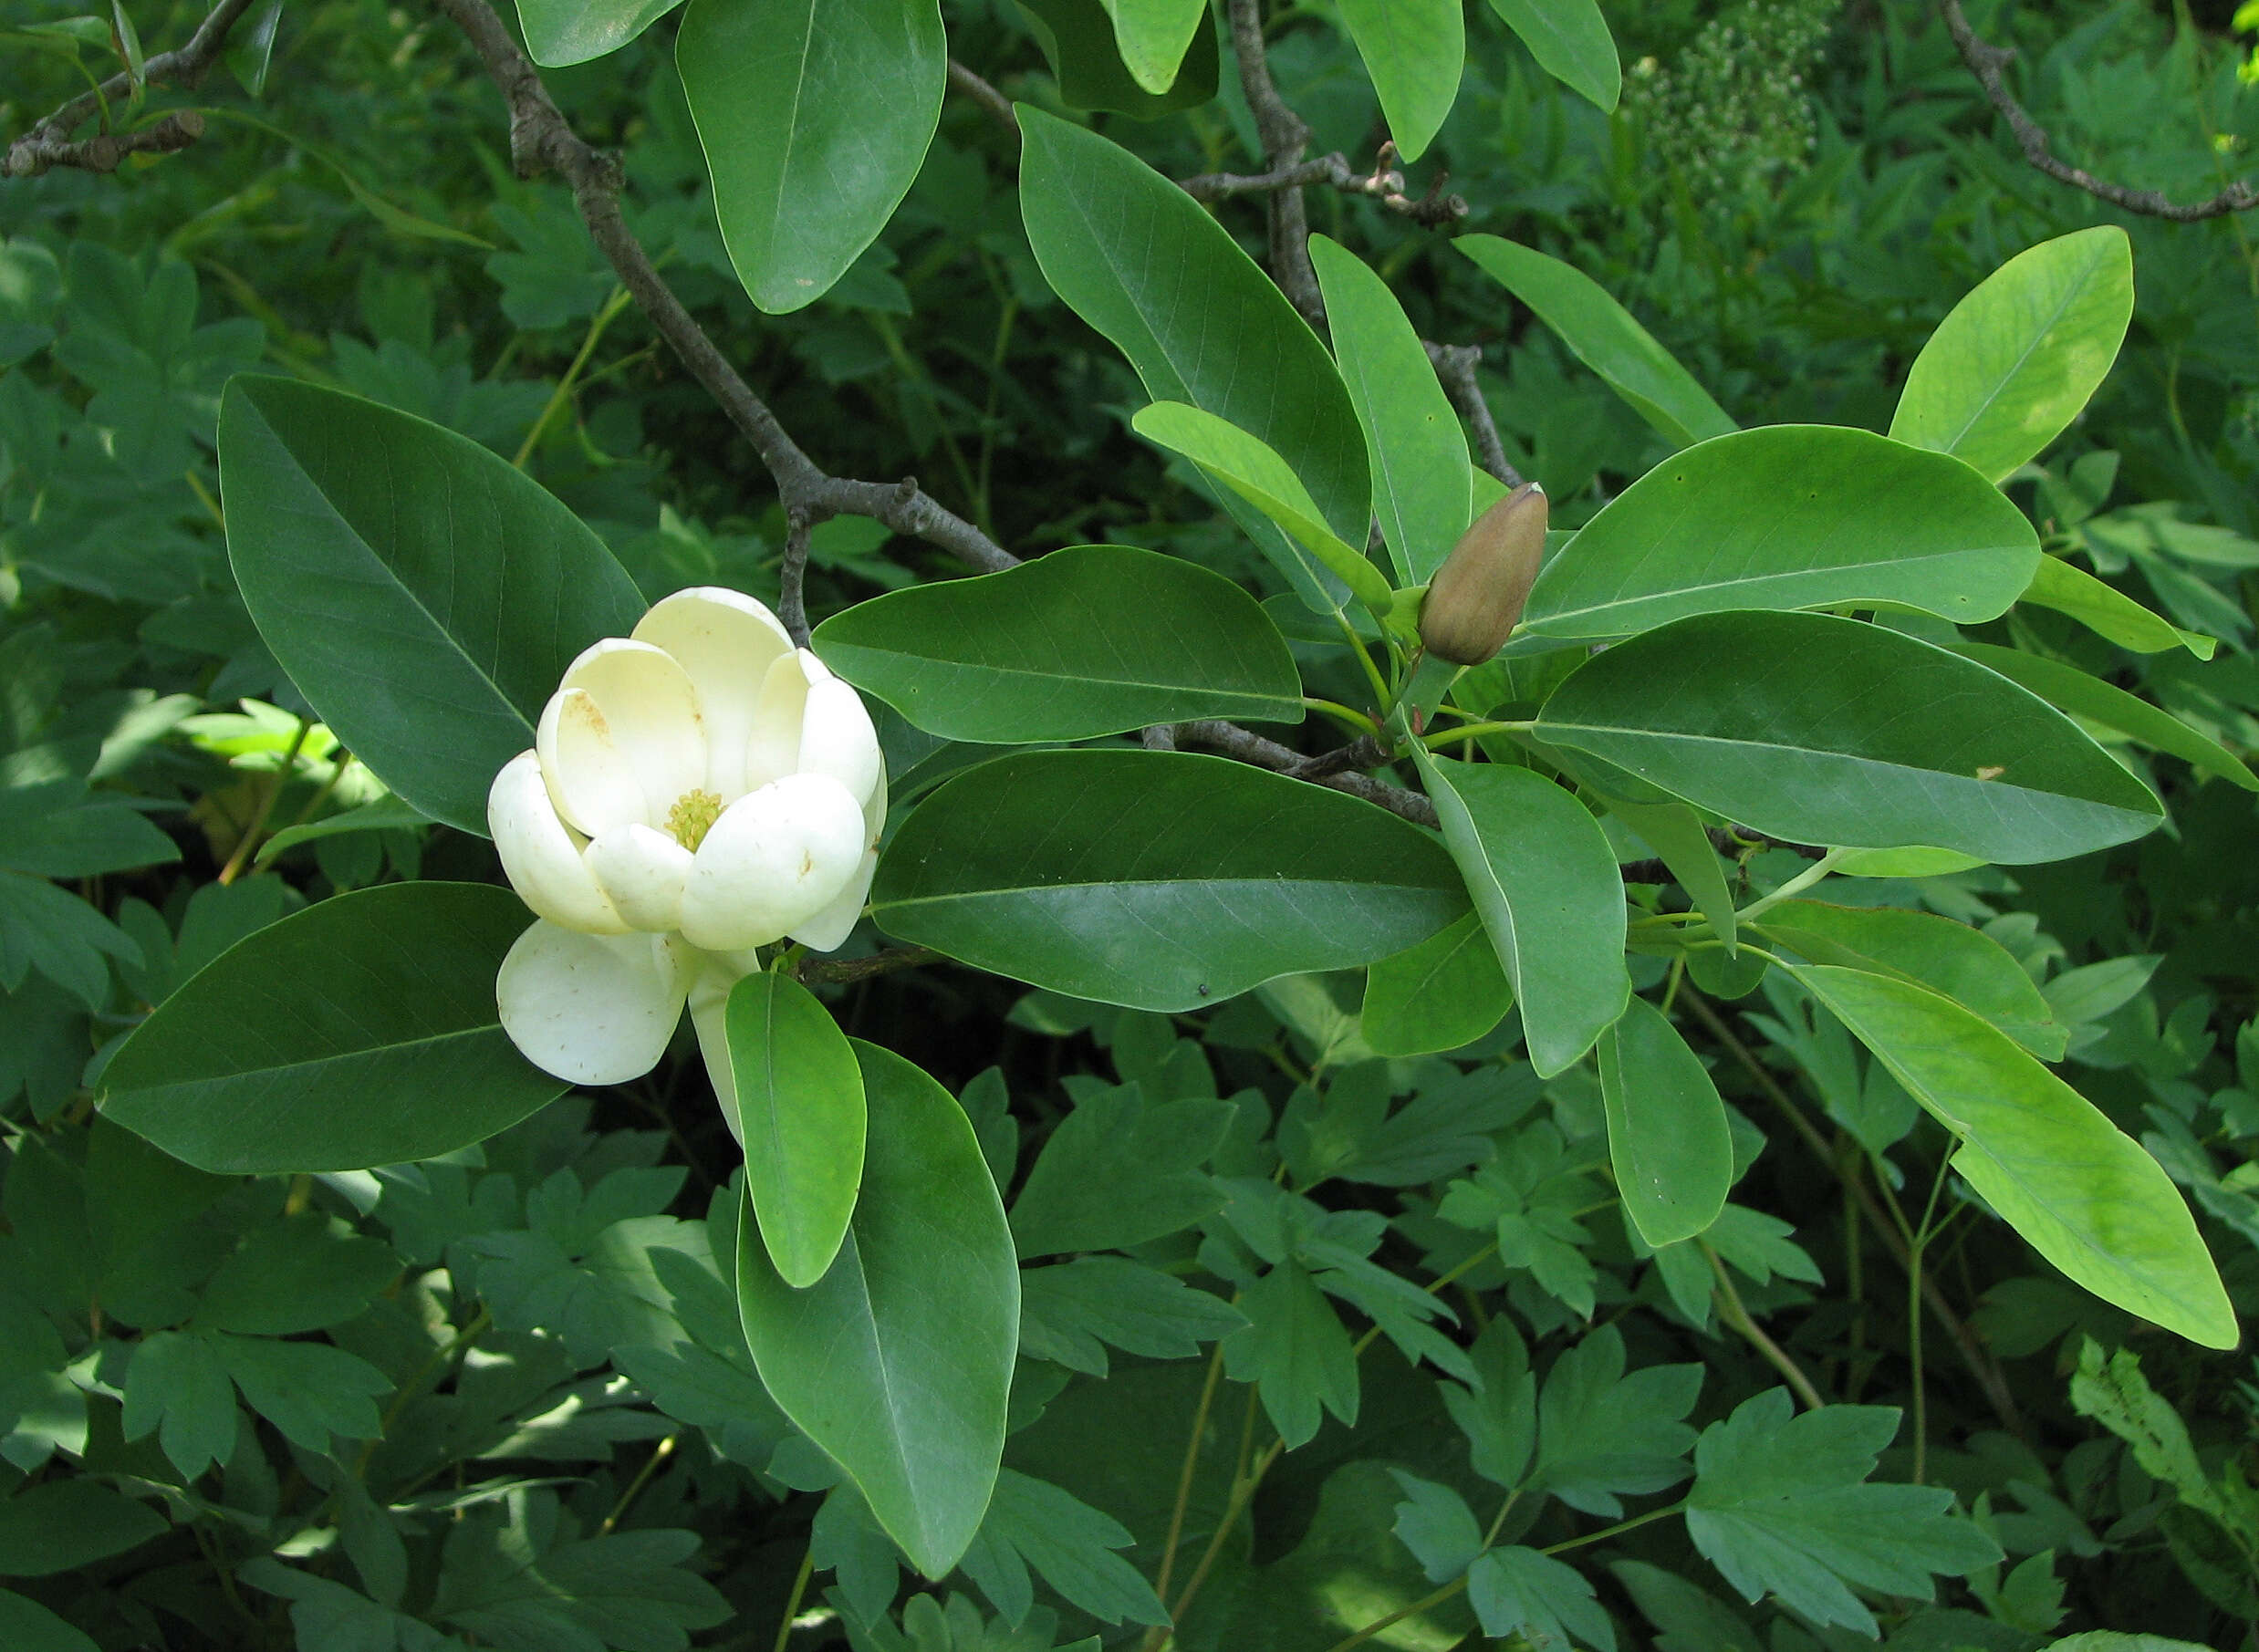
x=697 y=790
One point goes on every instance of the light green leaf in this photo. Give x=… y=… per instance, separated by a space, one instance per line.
x=1819 y=730
x=1091 y=639
x=1604 y=1435
x=1140 y=261
x=1569 y=38
x=1153 y=35
x=1415 y=51
x=385 y=814
x=1257 y=475
x=1442 y=994
x=562 y=32
x=361 y=1031
x=898 y=1362
x=1078 y=41
x=424 y=597
x=1599 y=332
x=1781 y=1506
x=1295 y=1351
x=2109 y=612
x=1159 y=880
x=2068 y=689
x=815 y=116
x=1789 y=517
x=2083 y=1193
x=1667 y=1133
x=802 y=1119
x=1543 y=881
x=1421 y=475
x=1681 y=842
x=1967 y=965
x=2018 y=357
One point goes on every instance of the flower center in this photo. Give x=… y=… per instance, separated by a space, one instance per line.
x=692 y=818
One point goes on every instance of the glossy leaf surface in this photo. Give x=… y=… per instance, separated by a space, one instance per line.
x=800 y=1106
x=2068 y=689
x=1570 y=41
x=815 y=116
x=1159 y=881
x=1153 y=35
x=2109 y=612
x=1445 y=993
x=897 y=1361
x=1415 y=51
x=1545 y=884
x=1825 y=730
x=2085 y=1194
x=344 y=525
x=361 y=1031
x=1088 y=640
x=1077 y=40
x=560 y=31
x=1789 y=517
x=1667 y=1133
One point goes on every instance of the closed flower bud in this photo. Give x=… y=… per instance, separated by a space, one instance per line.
x=1475 y=600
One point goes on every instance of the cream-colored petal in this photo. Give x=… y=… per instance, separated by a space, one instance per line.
x=837 y=735
x=598 y=788
x=639 y=712
x=773 y=751
x=591 y=1008
x=710 y=997
x=540 y=855
x=726 y=642
x=642 y=872
x=831 y=928
x=776 y=858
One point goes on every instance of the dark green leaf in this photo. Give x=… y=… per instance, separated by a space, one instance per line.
x=1442 y=995
x=1820 y=730
x=1070 y=1310
x=801 y=1117
x=308 y=1389
x=1296 y=1353
x=1603 y=1436
x=517 y=1576
x=177 y=1388
x=62 y=1524
x=304 y=1273
x=26 y=1626
x=1118 y=1173
x=1033 y=1524
x=2068 y=689
x=359 y=1031
x=1159 y=881
x=1091 y=639
x=1078 y=38
x=424 y=597
x=897 y=1361
x=1519 y=1591
x=1435 y=1523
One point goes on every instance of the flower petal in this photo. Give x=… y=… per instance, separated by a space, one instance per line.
x=642 y=872
x=591 y=1008
x=726 y=643
x=709 y=998
x=625 y=721
x=539 y=854
x=837 y=735
x=776 y=858
x=773 y=751
x=831 y=926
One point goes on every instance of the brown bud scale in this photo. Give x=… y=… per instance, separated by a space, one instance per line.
x=1477 y=597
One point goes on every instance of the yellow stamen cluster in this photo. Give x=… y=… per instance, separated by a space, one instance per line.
x=692 y=818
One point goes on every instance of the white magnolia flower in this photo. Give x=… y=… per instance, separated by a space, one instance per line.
x=696 y=790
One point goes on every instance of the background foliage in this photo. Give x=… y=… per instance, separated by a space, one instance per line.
x=502 y=1397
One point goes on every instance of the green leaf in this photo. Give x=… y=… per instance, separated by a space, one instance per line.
x=309 y=1390
x=1069 y=1544
x=1499 y=1413
x=56 y=830
x=177 y=1388
x=1140 y=261
x=359 y=1031
x=1421 y=480
x=801 y=1117
x=1967 y=965
x=1295 y=1351
x=1819 y=730
x=53 y=932
x=62 y=1524
x=2068 y=689
x=899 y=1360
x=1435 y=1523
x=2018 y=357
x=1569 y=38
x=2084 y=1195
x=1077 y=40
x=562 y=32
x=1153 y=35
x=1545 y=884
x=1254 y=471
x=253 y=48
x=517 y=1575
x=1442 y=995
x=302 y=1272
x=1118 y=1173
x=1599 y=332
x=1604 y=1435
x=26 y=1626
x=1088 y=640
x=815 y=116
x=1159 y=880
x=1415 y=51
x=1667 y=1132
x=2109 y=612
x=1679 y=838
x=1517 y=1589
x=1071 y=1312
x=1789 y=517
x=424 y=597
x=2117 y=1396
x=385 y=814
x=1780 y=1505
